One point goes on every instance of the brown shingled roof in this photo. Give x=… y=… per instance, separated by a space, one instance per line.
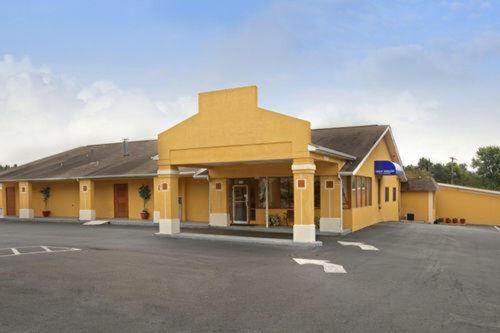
x=353 y=140
x=421 y=184
x=104 y=160
x=90 y=161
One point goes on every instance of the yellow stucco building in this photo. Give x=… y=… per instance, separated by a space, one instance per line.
x=428 y=201
x=231 y=163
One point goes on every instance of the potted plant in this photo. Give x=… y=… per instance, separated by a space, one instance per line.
x=274 y=220
x=45 y=191
x=145 y=194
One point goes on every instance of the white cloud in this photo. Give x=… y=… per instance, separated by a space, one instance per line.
x=44 y=113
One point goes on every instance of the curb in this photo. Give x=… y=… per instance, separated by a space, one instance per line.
x=241 y=239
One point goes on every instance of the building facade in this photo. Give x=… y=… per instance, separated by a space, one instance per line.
x=231 y=163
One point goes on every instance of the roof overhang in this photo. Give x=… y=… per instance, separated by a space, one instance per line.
x=467 y=188
x=330 y=152
x=393 y=150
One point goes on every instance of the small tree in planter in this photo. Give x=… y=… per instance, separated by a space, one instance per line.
x=274 y=220
x=145 y=194
x=45 y=191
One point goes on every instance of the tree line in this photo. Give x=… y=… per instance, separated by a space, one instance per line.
x=483 y=171
x=6 y=166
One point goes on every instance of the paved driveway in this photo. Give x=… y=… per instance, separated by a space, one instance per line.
x=123 y=279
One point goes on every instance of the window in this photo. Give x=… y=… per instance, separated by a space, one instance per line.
x=346 y=192
x=368 y=191
x=286 y=192
x=394 y=194
x=386 y=194
x=361 y=192
x=218 y=186
x=280 y=192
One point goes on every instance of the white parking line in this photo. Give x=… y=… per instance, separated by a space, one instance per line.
x=328 y=267
x=46 y=249
x=362 y=246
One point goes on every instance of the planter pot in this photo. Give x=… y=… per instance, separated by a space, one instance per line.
x=462 y=221
x=144 y=215
x=455 y=221
x=448 y=220
x=46 y=213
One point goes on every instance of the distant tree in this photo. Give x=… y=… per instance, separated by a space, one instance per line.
x=6 y=166
x=425 y=164
x=486 y=174
x=487 y=165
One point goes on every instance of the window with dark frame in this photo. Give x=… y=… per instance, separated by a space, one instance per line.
x=386 y=194
x=360 y=193
x=394 y=194
x=280 y=191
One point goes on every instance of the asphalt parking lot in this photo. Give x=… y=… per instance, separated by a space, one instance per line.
x=423 y=278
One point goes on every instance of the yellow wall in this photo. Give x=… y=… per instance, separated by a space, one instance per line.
x=358 y=218
x=63 y=200
x=196 y=200
x=416 y=203
x=230 y=127
x=104 y=197
x=475 y=206
x=3 y=202
x=25 y=195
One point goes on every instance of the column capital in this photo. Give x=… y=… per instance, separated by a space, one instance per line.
x=168 y=170
x=303 y=165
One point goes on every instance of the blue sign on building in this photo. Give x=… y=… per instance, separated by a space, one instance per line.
x=388 y=168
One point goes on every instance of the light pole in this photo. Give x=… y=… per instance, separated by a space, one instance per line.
x=453 y=159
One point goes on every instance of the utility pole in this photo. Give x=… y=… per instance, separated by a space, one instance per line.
x=453 y=159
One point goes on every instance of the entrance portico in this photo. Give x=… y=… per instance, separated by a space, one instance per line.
x=244 y=149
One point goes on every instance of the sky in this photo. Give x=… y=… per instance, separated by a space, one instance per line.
x=75 y=72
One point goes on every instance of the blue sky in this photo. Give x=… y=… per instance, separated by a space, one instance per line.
x=79 y=72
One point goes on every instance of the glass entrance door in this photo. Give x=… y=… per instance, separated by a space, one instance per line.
x=240 y=204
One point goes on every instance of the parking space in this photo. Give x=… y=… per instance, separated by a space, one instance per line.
x=42 y=249
x=422 y=278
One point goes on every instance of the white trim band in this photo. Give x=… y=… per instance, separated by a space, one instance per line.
x=156 y=216
x=304 y=233
x=168 y=172
x=87 y=215
x=330 y=224
x=219 y=220
x=169 y=226
x=310 y=166
x=472 y=189
x=26 y=213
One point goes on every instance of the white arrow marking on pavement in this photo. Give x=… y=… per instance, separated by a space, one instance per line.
x=365 y=247
x=328 y=267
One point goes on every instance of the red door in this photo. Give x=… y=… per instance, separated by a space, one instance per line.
x=121 y=201
x=10 y=197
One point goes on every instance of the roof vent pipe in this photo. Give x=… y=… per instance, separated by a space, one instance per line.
x=125 y=147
